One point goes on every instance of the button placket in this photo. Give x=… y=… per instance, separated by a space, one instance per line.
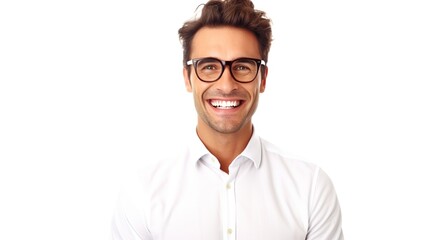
x=230 y=210
x=229 y=201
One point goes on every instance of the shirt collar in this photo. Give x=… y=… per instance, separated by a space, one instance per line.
x=197 y=150
x=253 y=150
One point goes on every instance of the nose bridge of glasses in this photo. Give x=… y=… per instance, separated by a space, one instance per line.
x=226 y=64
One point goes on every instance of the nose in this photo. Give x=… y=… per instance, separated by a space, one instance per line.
x=226 y=82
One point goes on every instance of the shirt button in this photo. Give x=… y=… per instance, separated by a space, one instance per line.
x=229 y=231
x=228 y=186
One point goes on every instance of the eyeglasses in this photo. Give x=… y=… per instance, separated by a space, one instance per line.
x=210 y=69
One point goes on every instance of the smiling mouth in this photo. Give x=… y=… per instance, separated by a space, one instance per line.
x=219 y=104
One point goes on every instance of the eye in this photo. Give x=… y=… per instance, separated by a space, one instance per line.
x=241 y=68
x=209 y=65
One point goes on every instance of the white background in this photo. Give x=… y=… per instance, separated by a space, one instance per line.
x=91 y=89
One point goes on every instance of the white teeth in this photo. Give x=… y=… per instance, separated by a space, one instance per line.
x=225 y=104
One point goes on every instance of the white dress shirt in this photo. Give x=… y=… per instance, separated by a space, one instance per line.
x=265 y=196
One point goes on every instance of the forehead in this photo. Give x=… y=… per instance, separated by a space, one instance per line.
x=225 y=43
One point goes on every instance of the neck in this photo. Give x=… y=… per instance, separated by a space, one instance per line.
x=225 y=146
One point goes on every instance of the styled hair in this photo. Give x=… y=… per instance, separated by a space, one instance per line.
x=235 y=13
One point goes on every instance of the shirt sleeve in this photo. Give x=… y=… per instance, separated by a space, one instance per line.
x=129 y=218
x=325 y=221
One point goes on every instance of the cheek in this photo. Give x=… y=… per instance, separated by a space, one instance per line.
x=197 y=90
x=254 y=90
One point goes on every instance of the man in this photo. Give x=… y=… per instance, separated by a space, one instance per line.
x=229 y=183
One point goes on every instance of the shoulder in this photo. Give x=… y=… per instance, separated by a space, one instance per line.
x=275 y=157
x=292 y=169
x=160 y=168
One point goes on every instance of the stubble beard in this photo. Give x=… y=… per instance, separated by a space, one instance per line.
x=225 y=125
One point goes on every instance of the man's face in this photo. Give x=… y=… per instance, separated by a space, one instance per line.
x=225 y=106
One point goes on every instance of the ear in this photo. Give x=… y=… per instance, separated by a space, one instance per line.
x=263 y=80
x=187 y=80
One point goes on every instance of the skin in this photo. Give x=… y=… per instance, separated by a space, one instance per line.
x=225 y=131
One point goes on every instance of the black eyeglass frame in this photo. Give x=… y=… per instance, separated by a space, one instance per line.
x=195 y=62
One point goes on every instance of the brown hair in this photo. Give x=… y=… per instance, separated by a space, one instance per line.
x=237 y=13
